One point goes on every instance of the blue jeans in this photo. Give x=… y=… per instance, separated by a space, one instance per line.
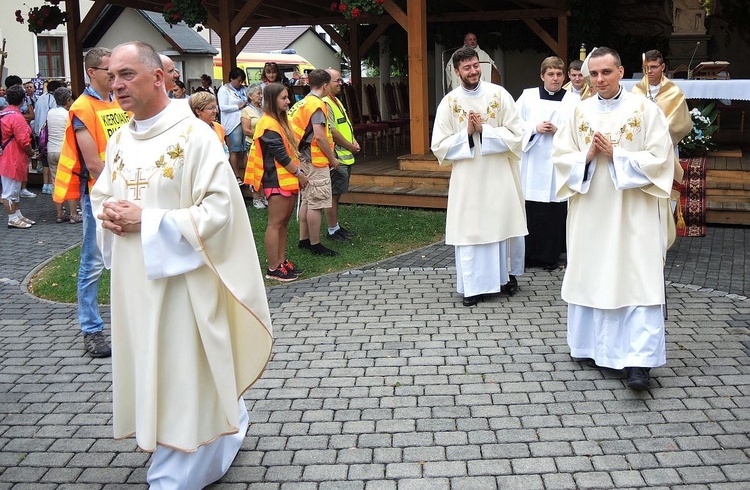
x=89 y=271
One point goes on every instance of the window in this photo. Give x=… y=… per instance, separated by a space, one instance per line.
x=51 y=57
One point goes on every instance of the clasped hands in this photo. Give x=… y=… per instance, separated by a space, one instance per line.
x=546 y=127
x=475 y=123
x=121 y=217
x=600 y=144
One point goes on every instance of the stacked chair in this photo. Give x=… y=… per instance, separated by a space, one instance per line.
x=364 y=129
x=394 y=125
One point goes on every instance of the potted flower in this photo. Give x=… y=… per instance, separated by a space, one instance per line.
x=699 y=139
x=351 y=9
x=44 y=18
x=191 y=12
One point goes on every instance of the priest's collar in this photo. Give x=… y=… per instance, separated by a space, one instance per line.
x=476 y=91
x=545 y=94
x=143 y=125
x=619 y=93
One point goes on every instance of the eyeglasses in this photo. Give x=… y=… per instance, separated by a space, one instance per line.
x=211 y=108
x=654 y=67
x=100 y=68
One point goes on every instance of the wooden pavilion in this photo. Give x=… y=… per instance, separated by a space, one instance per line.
x=228 y=17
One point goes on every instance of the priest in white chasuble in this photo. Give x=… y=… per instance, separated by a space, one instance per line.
x=191 y=329
x=613 y=163
x=477 y=131
x=543 y=110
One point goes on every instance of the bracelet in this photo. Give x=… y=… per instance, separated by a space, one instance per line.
x=299 y=171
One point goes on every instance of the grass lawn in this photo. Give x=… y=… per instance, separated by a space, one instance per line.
x=381 y=233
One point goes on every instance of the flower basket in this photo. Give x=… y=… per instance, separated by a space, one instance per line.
x=44 y=18
x=351 y=9
x=191 y=12
x=704 y=126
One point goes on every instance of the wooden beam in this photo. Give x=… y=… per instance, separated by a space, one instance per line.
x=543 y=35
x=336 y=37
x=238 y=22
x=497 y=15
x=246 y=37
x=562 y=38
x=306 y=21
x=397 y=14
x=367 y=45
x=75 y=47
x=87 y=23
x=226 y=34
x=418 y=107
x=355 y=60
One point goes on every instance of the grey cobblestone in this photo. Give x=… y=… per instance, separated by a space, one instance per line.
x=381 y=380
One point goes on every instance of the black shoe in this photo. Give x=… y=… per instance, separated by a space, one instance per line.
x=637 y=378
x=471 y=300
x=281 y=274
x=339 y=236
x=320 y=249
x=549 y=267
x=96 y=345
x=347 y=233
x=304 y=244
x=511 y=287
x=291 y=267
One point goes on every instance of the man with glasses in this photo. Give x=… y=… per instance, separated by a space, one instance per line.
x=345 y=146
x=93 y=118
x=671 y=100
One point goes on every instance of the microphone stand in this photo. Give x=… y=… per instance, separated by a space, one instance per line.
x=690 y=71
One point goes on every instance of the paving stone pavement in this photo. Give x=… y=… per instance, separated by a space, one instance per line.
x=380 y=379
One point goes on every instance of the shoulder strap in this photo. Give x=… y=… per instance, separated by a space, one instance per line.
x=3 y=145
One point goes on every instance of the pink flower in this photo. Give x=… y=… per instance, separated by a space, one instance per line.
x=355 y=12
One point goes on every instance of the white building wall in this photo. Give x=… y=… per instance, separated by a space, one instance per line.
x=314 y=50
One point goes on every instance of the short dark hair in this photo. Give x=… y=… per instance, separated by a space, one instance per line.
x=62 y=96
x=53 y=85
x=237 y=72
x=180 y=84
x=206 y=78
x=317 y=78
x=575 y=65
x=462 y=54
x=12 y=80
x=604 y=51
x=654 y=55
x=15 y=95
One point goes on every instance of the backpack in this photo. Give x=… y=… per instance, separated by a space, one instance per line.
x=43 y=138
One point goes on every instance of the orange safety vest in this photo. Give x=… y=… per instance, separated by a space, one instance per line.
x=299 y=116
x=102 y=119
x=254 y=170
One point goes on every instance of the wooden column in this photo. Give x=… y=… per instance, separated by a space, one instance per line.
x=562 y=38
x=75 y=46
x=355 y=60
x=226 y=34
x=418 y=109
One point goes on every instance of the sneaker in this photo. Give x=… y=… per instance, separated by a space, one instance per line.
x=96 y=344
x=264 y=201
x=320 y=249
x=291 y=267
x=338 y=236
x=304 y=244
x=27 y=193
x=347 y=233
x=46 y=189
x=281 y=274
x=258 y=204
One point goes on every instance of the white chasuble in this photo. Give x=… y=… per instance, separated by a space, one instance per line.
x=485 y=200
x=618 y=213
x=189 y=341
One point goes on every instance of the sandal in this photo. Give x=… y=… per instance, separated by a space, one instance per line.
x=75 y=220
x=61 y=219
x=18 y=223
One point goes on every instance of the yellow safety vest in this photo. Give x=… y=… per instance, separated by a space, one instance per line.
x=343 y=126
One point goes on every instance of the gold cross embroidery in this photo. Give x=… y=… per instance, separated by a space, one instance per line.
x=137 y=184
x=614 y=138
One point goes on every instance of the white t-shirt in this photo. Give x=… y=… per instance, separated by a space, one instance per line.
x=57 y=118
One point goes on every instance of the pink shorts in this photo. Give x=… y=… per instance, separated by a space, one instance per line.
x=278 y=191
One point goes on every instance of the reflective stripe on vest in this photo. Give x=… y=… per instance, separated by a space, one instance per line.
x=299 y=116
x=254 y=170
x=101 y=119
x=343 y=126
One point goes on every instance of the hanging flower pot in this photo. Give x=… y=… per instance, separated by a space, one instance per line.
x=191 y=12
x=44 y=18
x=352 y=9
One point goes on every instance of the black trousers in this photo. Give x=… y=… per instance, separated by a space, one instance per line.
x=546 y=239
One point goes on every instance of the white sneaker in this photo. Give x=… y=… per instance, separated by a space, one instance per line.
x=258 y=204
x=27 y=193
